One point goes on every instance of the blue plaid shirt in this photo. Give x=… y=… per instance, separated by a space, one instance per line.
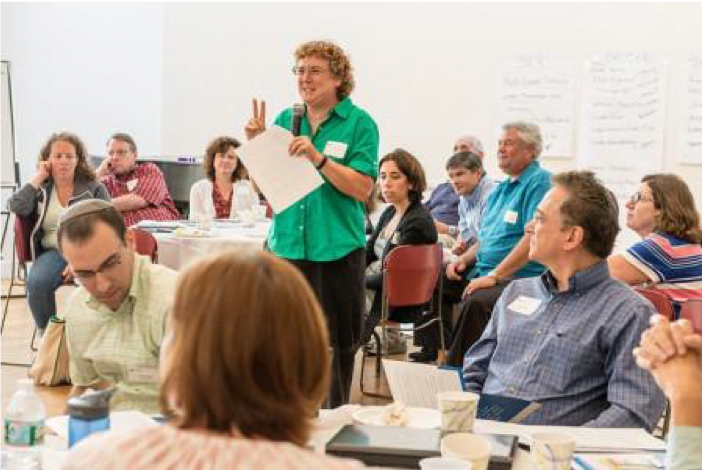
x=471 y=208
x=572 y=353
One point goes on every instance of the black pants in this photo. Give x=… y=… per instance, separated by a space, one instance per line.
x=427 y=332
x=476 y=312
x=339 y=286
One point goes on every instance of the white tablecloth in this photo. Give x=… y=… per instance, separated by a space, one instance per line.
x=178 y=251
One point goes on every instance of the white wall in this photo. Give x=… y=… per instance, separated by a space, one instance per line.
x=426 y=72
x=88 y=68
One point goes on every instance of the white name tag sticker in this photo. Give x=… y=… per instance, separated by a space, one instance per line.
x=525 y=305
x=131 y=184
x=335 y=149
x=511 y=217
x=142 y=374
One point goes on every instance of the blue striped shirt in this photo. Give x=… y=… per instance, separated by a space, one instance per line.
x=471 y=209
x=572 y=353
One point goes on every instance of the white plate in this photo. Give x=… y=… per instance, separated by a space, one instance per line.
x=421 y=418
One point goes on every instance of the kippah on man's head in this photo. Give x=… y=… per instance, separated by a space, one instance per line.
x=89 y=206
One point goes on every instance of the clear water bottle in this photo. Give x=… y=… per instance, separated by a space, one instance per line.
x=24 y=429
x=244 y=201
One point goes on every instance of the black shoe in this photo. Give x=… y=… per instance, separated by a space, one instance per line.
x=425 y=355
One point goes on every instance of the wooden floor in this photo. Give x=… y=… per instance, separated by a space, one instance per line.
x=15 y=348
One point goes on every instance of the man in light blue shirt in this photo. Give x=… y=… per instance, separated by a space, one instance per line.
x=469 y=181
x=565 y=339
x=443 y=202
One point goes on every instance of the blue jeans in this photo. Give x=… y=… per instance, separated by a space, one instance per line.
x=43 y=280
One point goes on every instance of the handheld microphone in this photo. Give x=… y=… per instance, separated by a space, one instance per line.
x=298 y=112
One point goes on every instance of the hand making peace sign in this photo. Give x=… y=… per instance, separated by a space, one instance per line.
x=257 y=123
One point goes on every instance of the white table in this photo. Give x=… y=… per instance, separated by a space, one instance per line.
x=608 y=440
x=331 y=421
x=176 y=251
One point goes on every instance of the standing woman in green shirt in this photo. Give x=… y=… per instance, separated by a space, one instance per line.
x=323 y=233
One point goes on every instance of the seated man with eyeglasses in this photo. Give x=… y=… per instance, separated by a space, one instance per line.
x=138 y=191
x=115 y=320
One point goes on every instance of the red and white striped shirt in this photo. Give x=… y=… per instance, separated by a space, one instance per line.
x=145 y=180
x=168 y=448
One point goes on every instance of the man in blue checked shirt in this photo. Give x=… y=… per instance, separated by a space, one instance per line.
x=565 y=338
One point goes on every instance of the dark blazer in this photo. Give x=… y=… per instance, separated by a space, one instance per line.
x=415 y=228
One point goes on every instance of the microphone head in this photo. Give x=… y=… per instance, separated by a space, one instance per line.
x=298 y=109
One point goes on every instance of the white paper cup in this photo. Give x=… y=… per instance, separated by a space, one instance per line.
x=457 y=411
x=443 y=463
x=467 y=446
x=552 y=451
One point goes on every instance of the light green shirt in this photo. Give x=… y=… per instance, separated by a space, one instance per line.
x=327 y=225
x=123 y=346
x=684 y=448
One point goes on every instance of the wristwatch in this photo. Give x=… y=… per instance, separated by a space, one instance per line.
x=493 y=274
x=453 y=230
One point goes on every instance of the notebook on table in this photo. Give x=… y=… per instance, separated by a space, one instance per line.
x=400 y=447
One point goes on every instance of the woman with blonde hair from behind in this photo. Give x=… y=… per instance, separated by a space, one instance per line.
x=244 y=369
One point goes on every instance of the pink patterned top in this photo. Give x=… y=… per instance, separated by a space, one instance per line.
x=168 y=448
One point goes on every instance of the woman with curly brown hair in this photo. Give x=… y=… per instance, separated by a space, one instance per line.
x=669 y=256
x=63 y=177
x=323 y=233
x=226 y=178
x=244 y=368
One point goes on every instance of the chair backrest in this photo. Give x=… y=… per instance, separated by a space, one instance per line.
x=411 y=273
x=692 y=310
x=662 y=302
x=146 y=244
x=23 y=237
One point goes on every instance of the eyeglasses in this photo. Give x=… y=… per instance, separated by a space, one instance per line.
x=637 y=197
x=118 y=153
x=105 y=268
x=314 y=71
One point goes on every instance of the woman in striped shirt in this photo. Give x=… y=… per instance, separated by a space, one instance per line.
x=244 y=369
x=669 y=256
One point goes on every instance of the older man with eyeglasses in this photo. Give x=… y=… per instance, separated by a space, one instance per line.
x=138 y=191
x=115 y=320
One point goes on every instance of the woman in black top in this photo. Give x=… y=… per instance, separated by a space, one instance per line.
x=404 y=222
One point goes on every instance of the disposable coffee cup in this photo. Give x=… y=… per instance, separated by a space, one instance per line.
x=552 y=451
x=469 y=447
x=457 y=411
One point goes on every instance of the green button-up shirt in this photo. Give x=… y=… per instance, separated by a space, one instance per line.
x=122 y=346
x=326 y=224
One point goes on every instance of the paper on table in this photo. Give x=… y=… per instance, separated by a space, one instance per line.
x=586 y=439
x=283 y=179
x=120 y=420
x=417 y=384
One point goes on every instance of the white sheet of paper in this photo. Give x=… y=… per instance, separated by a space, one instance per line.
x=120 y=420
x=283 y=179
x=586 y=439
x=417 y=384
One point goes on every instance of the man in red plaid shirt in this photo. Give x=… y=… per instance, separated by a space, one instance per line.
x=138 y=191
